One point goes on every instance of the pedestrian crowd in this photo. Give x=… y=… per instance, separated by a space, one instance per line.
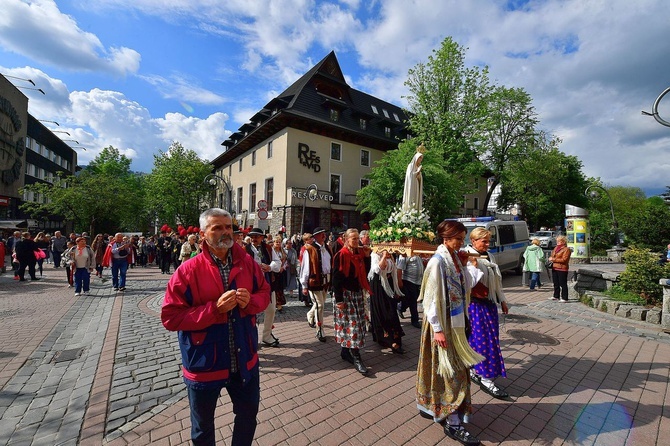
x=224 y=277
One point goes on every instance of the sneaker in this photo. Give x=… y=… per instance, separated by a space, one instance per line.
x=77 y=294
x=85 y=292
x=553 y=298
x=122 y=288
x=563 y=301
x=116 y=288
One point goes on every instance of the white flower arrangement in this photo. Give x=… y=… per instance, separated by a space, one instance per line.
x=414 y=224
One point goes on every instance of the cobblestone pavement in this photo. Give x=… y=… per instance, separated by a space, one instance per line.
x=101 y=369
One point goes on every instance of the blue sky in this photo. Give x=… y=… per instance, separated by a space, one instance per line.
x=139 y=74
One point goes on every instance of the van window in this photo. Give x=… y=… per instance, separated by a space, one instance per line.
x=494 y=235
x=506 y=234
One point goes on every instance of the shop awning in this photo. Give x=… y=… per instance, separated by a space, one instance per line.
x=13 y=224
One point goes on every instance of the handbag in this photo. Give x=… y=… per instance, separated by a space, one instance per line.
x=549 y=264
x=40 y=255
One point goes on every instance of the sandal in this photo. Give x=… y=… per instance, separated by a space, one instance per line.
x=459 y=433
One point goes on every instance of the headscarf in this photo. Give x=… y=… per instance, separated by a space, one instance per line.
x=347 y=258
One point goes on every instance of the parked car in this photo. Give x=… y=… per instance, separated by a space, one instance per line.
x=547 y=238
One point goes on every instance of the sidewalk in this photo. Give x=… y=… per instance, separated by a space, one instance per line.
x=101 y=369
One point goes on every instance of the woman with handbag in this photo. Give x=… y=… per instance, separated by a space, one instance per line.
x=25 y=254
x=43 y=246
x=560 y=257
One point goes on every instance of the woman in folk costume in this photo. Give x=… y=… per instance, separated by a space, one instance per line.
x=349 y=281
x=445 y=357
x=485 y=296
x=383 y=279
x=277 y=266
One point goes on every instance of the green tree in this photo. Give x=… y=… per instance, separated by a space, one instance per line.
x=447 y=105
x=626 y=202
x=542 y=182
x=175 y=190
x=102 y=197
x=648 y=228
x=509 y=133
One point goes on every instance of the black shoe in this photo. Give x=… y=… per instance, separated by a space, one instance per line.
x=495 y=392
x=122 y=288
x=475 y=378
x=358 y=362
x=416 y=324
x=311 y=324
x=37 y=278
x=275 y=343
x=459 y=434
x=320 y=337
x=346 y=355
x=398 y=350
x=401 y=314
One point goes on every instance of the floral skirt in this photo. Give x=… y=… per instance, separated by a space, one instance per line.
x=485 y=338
x=350 y=322
x=437 y=396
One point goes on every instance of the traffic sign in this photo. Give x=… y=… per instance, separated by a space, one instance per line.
x=262 y=204
x=262 y=214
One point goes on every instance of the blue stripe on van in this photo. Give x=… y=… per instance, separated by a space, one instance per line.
x=517 y=245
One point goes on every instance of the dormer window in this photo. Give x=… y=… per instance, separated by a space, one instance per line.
x=363 y=123
x=387 y=131
x=374 y=109
x=386 y=113
x=334 y=115
x=395 y=115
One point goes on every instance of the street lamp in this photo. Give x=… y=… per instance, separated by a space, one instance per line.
x=73 y=140
x=312 y=191
x=654 y=109
x=212 y=179
x=594 y=194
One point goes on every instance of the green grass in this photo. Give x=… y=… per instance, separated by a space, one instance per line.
x=618 y=293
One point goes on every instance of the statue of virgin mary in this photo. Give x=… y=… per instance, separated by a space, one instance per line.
x=412 y=196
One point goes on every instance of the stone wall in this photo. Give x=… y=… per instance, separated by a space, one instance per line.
x=587 y=285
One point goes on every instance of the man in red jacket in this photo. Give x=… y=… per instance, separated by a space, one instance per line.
x=212 y=300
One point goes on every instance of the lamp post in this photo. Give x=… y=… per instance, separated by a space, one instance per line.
x=654 y=109
x=594 y=194
x=212 y=179
x=312 y=191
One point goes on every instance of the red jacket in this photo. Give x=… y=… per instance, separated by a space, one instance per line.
x=189 y=307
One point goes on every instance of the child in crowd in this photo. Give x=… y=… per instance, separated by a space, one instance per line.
x=67 y=261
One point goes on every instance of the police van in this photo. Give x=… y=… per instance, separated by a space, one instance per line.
x=509 y=240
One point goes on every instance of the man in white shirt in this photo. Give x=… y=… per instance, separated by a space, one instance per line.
x=315 y=277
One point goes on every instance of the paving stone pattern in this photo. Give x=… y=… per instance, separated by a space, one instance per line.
x=576 y=376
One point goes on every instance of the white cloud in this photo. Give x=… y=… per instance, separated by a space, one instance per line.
x=204 y=136
x=40 y=31
x=183 y=88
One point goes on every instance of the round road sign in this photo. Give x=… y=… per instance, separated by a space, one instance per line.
x=262 y=214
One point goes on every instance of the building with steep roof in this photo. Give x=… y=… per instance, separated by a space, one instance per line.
x=306 y=153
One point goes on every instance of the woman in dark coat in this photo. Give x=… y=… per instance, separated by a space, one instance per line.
x=25 y=254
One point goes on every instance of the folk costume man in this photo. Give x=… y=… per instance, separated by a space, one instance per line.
x=260 y=252
x=212 y=300
x=315 y=273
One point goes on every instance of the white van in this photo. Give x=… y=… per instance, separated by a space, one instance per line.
x=509 y=240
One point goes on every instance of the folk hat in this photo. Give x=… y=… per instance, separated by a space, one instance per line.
x=256 y=231
x=318 y=230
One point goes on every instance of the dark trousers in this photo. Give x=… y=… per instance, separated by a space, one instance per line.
x=119 y=268
x=82 y=279
x=560 y=279
x=411 y=292
x=30 y=264
x=245 y=398
x=56 y=255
